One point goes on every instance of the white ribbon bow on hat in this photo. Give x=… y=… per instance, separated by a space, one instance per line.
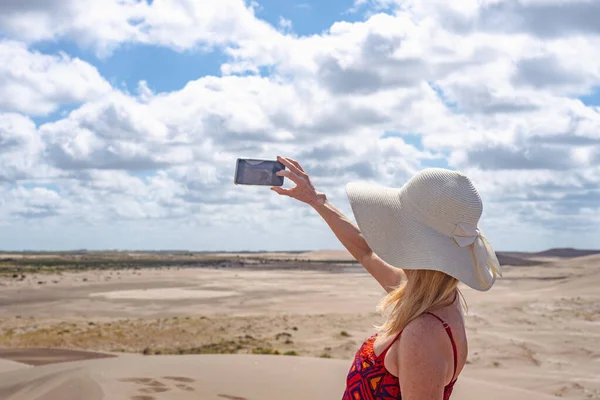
x=483 y=254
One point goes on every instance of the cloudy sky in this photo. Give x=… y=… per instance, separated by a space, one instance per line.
x=121 y=120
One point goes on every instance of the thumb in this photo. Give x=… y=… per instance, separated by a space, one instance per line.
x=279 y=190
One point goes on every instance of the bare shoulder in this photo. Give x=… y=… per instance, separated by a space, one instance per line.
x=423 y=368
x=425 y=331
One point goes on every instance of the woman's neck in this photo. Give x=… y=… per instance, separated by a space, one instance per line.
x=447 y=303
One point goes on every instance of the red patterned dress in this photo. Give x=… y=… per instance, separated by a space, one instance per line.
x=368 y=379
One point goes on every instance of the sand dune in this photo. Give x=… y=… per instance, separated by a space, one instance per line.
x=565 y=253
x=535 y=335
x=208 y=377
x=35 y=357
x=9 y=365
x=581 y=275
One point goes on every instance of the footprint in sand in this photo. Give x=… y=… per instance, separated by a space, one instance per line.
x=155 y=386
x=161 y=389
x=179 y=379
x=182 y=385
x=185 y=387
x=152 y=385
x=144 y=381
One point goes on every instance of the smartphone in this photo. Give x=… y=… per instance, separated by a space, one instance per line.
x=250 y=171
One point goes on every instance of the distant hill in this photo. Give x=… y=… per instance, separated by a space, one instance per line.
x=94 y=259
x=524 y=259
x=517 y=259
x=565 y=253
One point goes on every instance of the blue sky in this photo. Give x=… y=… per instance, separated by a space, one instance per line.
x=164 y=69
x=168 y=69
x=122 y=132
x=592 y=99
x=308 y=17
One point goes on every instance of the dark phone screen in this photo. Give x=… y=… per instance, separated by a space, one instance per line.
x=259 y=172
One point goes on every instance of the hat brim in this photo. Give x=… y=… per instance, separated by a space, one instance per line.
x=399 y=239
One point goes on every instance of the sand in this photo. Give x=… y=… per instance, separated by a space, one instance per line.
x=163 y=294
x=7 y=365
x=208 y=377
x=535 y=335
x=34 y=356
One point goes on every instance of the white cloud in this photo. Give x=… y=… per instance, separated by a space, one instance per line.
x=38 y=84
x=504 y=91
x=171 y=156
x=284 y=23
x=196 y=134
x=105 y=24
x=20 y=149
x=494 y=103
x=116 y=132
x=34 y=203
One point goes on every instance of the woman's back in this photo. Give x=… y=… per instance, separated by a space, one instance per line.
x=377 y=364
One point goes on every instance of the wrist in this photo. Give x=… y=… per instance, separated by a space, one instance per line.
x=319 y=200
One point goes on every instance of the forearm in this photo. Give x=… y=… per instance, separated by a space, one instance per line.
x=344 y=229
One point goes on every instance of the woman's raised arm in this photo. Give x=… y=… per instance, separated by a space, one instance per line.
x=345 y=230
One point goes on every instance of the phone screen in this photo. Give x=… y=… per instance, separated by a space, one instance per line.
x=258 y=172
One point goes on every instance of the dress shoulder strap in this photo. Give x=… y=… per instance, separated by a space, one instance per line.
x=449 y=332
x=382 y=355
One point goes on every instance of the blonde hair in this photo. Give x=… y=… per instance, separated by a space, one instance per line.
x=422 y=292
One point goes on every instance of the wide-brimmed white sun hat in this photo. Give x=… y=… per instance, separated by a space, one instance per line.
x=429 y=223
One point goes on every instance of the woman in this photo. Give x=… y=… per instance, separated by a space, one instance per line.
x=418 y=242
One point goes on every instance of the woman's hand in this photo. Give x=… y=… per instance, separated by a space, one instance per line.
x=304 y=189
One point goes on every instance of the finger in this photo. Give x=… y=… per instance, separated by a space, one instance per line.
x=292 y=176
x=290 y=166
x=296 y=163
x=280 y=190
